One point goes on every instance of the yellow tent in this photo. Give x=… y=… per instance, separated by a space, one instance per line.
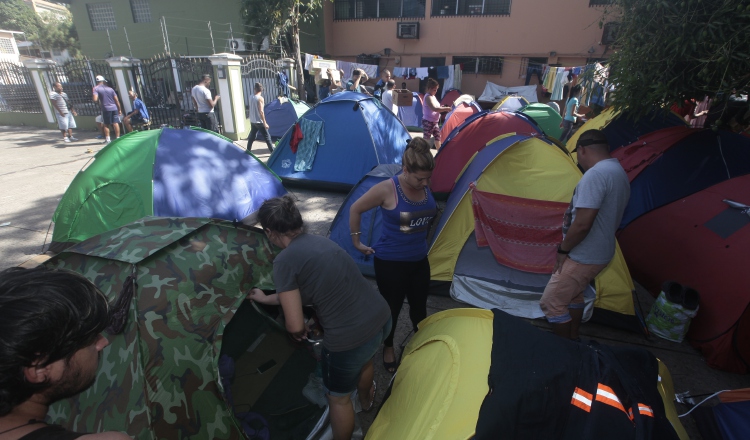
x=442 y=381
x=527 y=167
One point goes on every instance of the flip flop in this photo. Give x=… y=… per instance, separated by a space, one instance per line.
x=390 y=367
x=372 y=402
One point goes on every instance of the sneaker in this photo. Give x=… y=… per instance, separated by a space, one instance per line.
x=107 y=142
x=315 y=392
x=73 y=139
x=66 y=140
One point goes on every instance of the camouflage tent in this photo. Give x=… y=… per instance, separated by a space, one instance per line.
x=159 y=378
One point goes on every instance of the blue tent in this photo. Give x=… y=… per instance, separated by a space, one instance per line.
x=358 y=134
x=371 y=220
x=411 y=116
x=281 y=114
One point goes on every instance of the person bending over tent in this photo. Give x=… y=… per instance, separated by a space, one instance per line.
x=589 y=226
x=401 y=266
x=431 y=110
x=313 y=270
x=50 y=345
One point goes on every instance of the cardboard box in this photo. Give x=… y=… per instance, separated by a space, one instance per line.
x=321 y=75
x=402 y=97
x=320 y=65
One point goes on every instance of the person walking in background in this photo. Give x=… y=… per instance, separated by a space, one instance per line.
x=400 y=255
x=388 y=97
x=64 y=112
x=571 y=114
x=431 y=110
x=385 y=76
x=204 y=105
x=589 y=227
x=139 y=115
x=110 y=106
x=314 y=271
x=258 y=118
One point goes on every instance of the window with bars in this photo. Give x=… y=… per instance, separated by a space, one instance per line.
x=470 y=7
x=485 y=65
x=141 y=11
x=6 y=46
x=101 y=16
x=531 y=64
x=368 y=9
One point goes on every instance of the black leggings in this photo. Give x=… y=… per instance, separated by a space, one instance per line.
x=403 y=279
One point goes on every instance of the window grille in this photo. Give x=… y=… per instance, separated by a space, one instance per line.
x=484 y=65
x=6 y=46
x=373 y=9
x=141 y=11
x=470 y=7
x=101 y=16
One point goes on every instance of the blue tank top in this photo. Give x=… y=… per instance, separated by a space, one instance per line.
x=404 y=231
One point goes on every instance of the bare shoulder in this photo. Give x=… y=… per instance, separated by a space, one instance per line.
x=111 y=435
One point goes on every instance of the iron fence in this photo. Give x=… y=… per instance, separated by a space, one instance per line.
x=17 y=91
x=164 y=84
x=261 y=69
x=78 y=78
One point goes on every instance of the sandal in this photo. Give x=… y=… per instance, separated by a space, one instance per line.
x=390 y=367
x=372 y=401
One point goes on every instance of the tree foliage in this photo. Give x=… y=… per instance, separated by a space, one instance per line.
x=277 y=18
x=49 y=31
x=671 y=50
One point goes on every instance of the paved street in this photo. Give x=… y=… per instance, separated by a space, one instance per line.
x=37 y=167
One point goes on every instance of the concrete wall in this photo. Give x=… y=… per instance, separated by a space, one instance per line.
x=186 y=25
x=534 y=28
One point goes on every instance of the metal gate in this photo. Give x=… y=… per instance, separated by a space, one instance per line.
x=17 y=91
x=78 y=78
x=261 y=69
x=164 y=84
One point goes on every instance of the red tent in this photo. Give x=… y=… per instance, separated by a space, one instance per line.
x=450 y=96
x=457 y=116
x=678 y=227
x=470 y=137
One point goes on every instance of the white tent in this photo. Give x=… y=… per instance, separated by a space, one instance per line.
x=494 y=93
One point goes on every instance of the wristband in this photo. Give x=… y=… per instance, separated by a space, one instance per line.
x=560 y=251
x=356 y=233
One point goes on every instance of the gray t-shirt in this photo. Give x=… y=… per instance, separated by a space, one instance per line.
x=350 y=310
x=60 y=101
x=254 y=110
x=201 y=94
x=605 y=187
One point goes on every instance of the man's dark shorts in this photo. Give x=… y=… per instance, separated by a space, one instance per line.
x=110 y=117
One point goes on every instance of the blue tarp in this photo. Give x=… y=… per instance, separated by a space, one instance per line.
x=199 y=174
x=359 y=134
x=371 y=220
x=693 y=164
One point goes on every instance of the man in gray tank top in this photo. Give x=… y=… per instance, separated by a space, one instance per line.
x=258 y=119
x=589 y=227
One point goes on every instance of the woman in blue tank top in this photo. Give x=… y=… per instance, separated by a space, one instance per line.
x=400 y=255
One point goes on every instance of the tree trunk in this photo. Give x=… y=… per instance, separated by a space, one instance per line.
x=298 y=56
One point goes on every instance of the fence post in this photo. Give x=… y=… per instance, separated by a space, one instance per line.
x=229 y=86
x=37 y=69
x=121 y=68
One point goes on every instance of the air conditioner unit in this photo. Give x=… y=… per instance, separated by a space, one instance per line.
x=609 y=33
x=407 y=30
x=236 y=44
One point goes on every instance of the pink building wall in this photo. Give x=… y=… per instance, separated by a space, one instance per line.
x=534 y=28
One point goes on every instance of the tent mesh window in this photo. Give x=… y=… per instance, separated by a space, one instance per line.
x=373 y=9
x=484 y=65
x=470 y=7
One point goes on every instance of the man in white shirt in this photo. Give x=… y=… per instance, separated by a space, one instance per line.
x=388 y=96
x=204 y=105
x=64 y=112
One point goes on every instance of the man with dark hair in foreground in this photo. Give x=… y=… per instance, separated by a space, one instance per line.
x=50 y=345
x=589 y=226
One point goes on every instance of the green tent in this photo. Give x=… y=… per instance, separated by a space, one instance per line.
x=183 y=283
x=545 y=117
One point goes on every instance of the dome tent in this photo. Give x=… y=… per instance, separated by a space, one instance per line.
x=357 y=134
x=165 y=172
x=281 y=114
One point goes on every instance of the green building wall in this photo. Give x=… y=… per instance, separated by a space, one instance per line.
x=187 y=28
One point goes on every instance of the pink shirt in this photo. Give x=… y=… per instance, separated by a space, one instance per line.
x=427 y=112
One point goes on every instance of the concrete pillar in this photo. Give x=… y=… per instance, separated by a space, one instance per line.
x=122 y=69
x=38 y=69
x=228 y=79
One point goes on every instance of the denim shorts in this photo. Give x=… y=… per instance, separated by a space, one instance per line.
x=341 y=369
